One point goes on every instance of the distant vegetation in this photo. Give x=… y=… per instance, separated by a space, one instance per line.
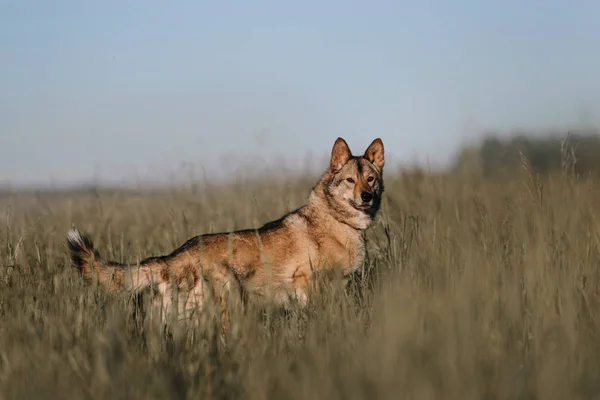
x=498 y=156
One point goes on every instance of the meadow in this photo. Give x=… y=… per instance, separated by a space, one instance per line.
x=474 y=287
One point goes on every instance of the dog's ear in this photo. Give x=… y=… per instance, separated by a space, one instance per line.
x=340 y=154
x=374 y=153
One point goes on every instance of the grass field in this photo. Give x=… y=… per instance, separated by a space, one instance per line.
x=473 y=288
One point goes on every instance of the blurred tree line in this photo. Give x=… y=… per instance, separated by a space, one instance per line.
x=497 y=156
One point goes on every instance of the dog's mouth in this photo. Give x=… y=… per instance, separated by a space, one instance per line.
x=361 y=206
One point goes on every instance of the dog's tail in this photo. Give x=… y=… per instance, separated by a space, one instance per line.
x=110 y=274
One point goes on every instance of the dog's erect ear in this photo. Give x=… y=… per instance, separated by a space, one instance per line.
x=340 y=154
x=374 y=153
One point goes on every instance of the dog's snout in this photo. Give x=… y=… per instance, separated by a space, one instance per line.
x=366 y=196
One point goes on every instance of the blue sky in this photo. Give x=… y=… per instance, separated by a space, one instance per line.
x=132 y=89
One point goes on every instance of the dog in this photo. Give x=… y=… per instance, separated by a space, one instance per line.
x=276 y=261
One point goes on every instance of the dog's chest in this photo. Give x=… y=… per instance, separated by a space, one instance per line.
x=347 y=253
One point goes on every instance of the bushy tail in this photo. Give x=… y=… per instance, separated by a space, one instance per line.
x=109 y=274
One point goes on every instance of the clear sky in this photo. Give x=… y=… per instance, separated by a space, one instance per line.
x=124 y=89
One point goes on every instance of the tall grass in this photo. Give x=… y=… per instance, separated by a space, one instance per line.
x=473 y=288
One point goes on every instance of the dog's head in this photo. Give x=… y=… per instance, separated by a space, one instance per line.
x=355 y=183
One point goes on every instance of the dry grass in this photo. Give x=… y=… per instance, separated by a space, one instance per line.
x=472 y=289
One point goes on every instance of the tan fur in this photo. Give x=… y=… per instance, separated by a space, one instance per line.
x=276 y=261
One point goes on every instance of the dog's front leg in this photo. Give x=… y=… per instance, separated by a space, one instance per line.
x=301 y=284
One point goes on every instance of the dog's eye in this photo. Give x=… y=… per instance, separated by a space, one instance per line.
x=350 y=180
x=370 y=179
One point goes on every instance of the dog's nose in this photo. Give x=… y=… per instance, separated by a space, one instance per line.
x=366 y=196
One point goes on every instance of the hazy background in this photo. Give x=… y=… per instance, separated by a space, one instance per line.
x=130 y=90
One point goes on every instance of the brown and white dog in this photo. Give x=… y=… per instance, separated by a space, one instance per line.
x=275 y=261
